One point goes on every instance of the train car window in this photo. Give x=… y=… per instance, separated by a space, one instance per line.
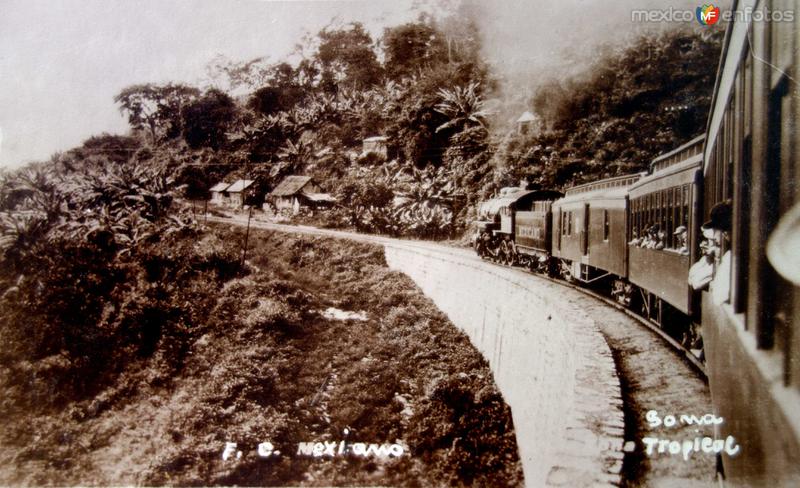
x=670 y=220
x=709 y=182
x=781 y=173
x=585 y=235
x=741 y=235
x=642 y=212
x=685 y=207
x=678 y=213
x=642 y=216
x=747 y=75
x=722 y=160
x=569 y=223
x=651 y=217
x=730 y=150
x=606 y=225
x=718 y=165
x=781 y=42
x=560 y=228
x=741 y=195
x=657 y=215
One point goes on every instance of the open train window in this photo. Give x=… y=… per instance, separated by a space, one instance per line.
x=569 y=223
x=677 y=218
x=559 y=231
x=606 y=225
x=742 y=191
x=782 y=302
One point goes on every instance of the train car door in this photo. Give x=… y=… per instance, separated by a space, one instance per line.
x=559 y=225
x=585 y=231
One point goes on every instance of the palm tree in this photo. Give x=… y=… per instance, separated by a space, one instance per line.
x=292 y=157
x=463 y=106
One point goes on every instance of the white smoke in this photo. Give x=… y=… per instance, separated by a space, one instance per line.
x=529 y=41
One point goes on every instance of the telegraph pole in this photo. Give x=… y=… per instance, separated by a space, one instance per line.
x=248 y=174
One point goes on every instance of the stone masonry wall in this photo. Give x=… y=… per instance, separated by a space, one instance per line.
x=552 y=365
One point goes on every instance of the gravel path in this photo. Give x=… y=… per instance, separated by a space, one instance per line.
x=653 y=377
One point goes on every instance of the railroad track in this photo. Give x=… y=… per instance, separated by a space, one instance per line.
x=686 y=354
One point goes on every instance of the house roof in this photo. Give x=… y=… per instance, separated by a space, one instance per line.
x=376 y=139
x=319 y=197
x=527 y=117
x=290 y=186
x=220 y=186
x=239 y=186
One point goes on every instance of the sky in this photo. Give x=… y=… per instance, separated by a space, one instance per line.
x=63 y=61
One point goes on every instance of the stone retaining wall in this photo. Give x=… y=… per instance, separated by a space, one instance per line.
x=549 y=360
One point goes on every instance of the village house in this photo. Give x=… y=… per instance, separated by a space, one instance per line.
x=375 y=145
x=218 y=193
x=297 y=192
x=528 y=123
x=238 y=192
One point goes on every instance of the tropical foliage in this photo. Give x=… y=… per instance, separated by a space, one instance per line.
x=84 y=253
x=425 y=86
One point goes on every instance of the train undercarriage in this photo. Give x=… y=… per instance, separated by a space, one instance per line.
x=684 y=332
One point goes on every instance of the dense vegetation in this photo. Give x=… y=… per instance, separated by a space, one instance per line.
x=636 y=104
x=136 y=344
x=426 y=86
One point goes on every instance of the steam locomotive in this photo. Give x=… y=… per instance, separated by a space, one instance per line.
x=639 y=237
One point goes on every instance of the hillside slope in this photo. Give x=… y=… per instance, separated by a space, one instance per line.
x=272 y=362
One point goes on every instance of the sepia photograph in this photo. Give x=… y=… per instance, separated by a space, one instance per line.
x=400 y=243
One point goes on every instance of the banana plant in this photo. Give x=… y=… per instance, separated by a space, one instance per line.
x=463 y=106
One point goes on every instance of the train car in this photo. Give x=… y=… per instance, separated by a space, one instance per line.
x=751 y=309
x=590 y=229
x=519 y=216
x=533 y=231
x=663 y=204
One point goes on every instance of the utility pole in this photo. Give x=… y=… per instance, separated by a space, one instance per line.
x=248 y=174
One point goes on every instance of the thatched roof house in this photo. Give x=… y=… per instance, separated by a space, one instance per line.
x=296 y=192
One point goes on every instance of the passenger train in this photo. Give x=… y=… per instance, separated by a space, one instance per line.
x=645 y=237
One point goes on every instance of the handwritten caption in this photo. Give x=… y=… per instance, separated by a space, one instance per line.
x=319 y=449
x=687 y=447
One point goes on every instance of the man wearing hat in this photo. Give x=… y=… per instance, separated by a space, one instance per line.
x=681 y=234
x=719 y=224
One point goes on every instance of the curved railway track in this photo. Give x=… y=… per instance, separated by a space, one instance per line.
x=687 y=355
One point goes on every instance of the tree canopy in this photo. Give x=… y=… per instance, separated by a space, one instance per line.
x=156 y=108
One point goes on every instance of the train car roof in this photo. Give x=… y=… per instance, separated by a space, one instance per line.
x=600 y=194
x=609 y=188
x=689 y=150
x=677 y=174
x=508 y=197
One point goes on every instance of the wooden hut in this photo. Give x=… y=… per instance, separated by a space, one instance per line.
x=297 y=192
